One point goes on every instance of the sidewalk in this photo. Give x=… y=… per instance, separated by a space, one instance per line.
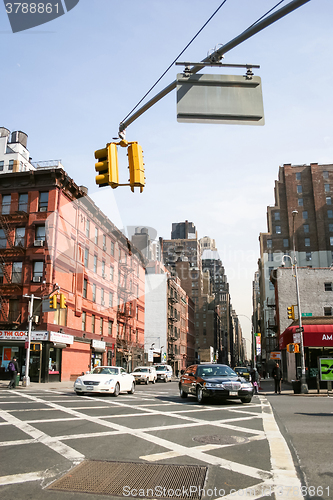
x=267 y=388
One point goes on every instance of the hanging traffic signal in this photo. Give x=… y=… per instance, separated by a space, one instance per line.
x=62 y=301
x=53 y=302
x=136 y=166
x=291 y=312
x=107 y=166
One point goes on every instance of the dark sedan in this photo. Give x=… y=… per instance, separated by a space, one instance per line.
x=213 y=380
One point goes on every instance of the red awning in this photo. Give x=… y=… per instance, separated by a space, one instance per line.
x=313 y=336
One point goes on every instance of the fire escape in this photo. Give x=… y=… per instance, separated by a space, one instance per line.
x=10 y=285
x=173 y=318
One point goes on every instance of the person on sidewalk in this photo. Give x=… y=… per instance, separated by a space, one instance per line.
x=277 y=376
x=13 y=370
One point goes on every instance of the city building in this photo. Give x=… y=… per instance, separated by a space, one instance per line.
x=307 y=190
x=54 y=239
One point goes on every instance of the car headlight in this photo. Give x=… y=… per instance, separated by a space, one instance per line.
x=246 y=385
x=210 y=385
x=109 y=382
x=78 y=381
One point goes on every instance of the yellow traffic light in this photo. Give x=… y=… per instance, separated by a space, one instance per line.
x=62 y=301
x=296 y=348
x=291 y=312
x=53 y=302
x=107 y=166
x=293 y=348
x=136 y=166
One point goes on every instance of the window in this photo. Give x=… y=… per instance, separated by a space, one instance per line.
x=23 y=202
x=88 y=228
x=327 y=311
x=306 y=228
x=331 y=241
x=305 y=214
x=285 y=242
x=112 y=248
x=328 y=287
x=86 y=257
x=110 y=328
x=330 y=214
x=328 y=200
x=6 y=201
x=96 y=235
x=104 y=242
x=325 y=174
x=110 y=299
x=102 y=296
x=300 y=202
x=101 y=326
x=95 y=263
x=84 y=319
x=17 y=272
x=327 y=188
x=330 y=228
x=119 y=254
x=103 y=268
x=307 y=242
x=93 y=322
x=270 y=257
x=299 y=189
x=19 y=236
x=276 y=215
x=269 y=243
x=85 y=288
x=40 y=233
x=111 y=273
x=11 y=165
x=3 y=239
x=278 y=229
x=1 y=166
x=43 y=201
x=94 y=293
x=298 y=176
x=1 y=275
x=38 y=270
x=308 y=256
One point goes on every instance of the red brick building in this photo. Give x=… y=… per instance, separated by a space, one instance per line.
x=54 y=239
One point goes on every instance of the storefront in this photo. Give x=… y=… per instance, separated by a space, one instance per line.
x=318 y=343
x=98 y=349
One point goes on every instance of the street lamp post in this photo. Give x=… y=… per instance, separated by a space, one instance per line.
x=304 y=386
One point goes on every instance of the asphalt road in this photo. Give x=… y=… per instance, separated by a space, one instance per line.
x=44 y=433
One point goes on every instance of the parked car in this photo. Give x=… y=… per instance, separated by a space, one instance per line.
x=243 y=371
x=164 y=372
x=144 y=374
x=105 y=379
x=214 y=380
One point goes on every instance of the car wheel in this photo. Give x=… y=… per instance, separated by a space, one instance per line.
x=165 y=380
x=200 y=396
x=154 y=381
x=116 y=390
x=247 y=399
x=132 y=391
x=182 y=393
x=147 y=381
x=79 y=393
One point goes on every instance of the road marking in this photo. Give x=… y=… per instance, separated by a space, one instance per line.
x=21 y=478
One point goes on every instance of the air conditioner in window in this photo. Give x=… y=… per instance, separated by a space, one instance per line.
x=42 y=209
x=37 y=279
x=38 y=243
x=104 y=248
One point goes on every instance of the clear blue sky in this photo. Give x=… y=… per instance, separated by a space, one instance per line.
x=69 y=83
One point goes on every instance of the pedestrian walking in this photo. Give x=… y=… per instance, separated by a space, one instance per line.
x=13 y=370
x=255 y=379
x=277 y=376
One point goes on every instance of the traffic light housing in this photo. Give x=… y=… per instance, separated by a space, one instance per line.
x=62 y=301
x=136 y=166
x=107 y=166
x=293 y=348
x=291 y=312
x=53 y=302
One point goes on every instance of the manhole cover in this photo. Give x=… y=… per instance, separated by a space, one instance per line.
x=220 y=439
x=128 y=479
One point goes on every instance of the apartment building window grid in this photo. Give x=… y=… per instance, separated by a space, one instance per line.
x=112 y=248
x=299 y=189
x=2 y=163
x=308 y=256
x=109 y=328
x=11 y=165
x=327 y=188
x=43 y=201
x=300 y=202
x=87 y=228
x=85 y=288
x=23 y=202
x=328 y=200
x=269 y=244
x=19 y=236
x=110 y=299
x=101 y=326
x=103 y=268
x=307 y=242
x=298 y=176
x=111 y=273
x=40 y=233
x=17 y=272
x=6 y=202
x=278 y=229
x=306 y=228
x=94 y=293
x=102 y=297
x=277 y=215
x=285 y=242
x=84 y=320
x=86 y=257
x=96 y=235
x=38 y=269
x=305 y=214
x=3 y=239
x=330 y=214
x=325 y=174
x=93 y=323
x=95 y=263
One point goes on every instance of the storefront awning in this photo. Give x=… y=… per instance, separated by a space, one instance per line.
x=313 y=336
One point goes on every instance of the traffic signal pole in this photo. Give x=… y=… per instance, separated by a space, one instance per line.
x=26 y=378
x=217 y=55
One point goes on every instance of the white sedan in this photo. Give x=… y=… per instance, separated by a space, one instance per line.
x=105 y=379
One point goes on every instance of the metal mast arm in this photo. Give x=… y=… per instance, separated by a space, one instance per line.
x=255 y=28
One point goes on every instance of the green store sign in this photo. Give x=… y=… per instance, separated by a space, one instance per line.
x=326 y=369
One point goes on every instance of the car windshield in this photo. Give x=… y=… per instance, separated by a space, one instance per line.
x=241 y=370
x=102 y=370
x=215 y=371
x=141 y=370
x=161 y=368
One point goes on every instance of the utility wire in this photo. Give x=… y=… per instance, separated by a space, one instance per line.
x=173 y=62
x=268 y=12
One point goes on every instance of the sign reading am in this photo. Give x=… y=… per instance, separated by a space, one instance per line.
x=326 y=369
x=227 y=99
